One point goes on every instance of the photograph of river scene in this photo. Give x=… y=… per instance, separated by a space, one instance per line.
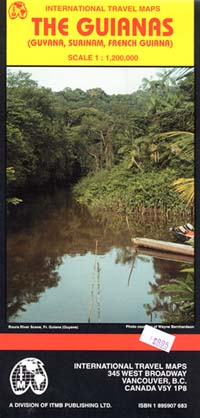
x=97 y=157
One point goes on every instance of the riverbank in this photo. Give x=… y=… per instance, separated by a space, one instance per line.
x=123 y=191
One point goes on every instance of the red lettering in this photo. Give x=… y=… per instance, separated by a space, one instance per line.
x=123 y=25
x=85 y=29
x=137 y=25
x=154 y=25
x=36 y=21
x=63 y=26
x=112 y=26
x=169 y=28
x=105 y=29
x=50 y=25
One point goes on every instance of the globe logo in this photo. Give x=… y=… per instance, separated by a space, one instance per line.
x=17 y=9
x=29 y=373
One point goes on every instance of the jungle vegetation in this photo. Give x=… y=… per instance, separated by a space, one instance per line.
x=121 y=152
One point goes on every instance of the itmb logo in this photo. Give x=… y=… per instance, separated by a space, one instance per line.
x=17 y=9
x=29 y=373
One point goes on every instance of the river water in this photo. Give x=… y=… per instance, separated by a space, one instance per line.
x=65 y=265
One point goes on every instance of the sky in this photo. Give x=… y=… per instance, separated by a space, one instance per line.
x=113 y=80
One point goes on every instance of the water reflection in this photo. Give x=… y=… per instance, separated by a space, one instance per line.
x=66 y=265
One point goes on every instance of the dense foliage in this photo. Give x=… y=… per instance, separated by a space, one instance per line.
x=174 y=297
x=119 y=189
x=131 y=147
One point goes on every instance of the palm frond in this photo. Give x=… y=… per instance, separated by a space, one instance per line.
x=185 y=186
x=182 y=139
x=179 y=73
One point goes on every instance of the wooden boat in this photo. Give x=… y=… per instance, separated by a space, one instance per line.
x=167 y=247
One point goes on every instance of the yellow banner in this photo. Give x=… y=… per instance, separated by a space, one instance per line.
x=106 y=33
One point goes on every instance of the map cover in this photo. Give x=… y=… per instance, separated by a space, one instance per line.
x=99 y=312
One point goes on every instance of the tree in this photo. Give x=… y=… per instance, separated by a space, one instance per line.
x=10 y=175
